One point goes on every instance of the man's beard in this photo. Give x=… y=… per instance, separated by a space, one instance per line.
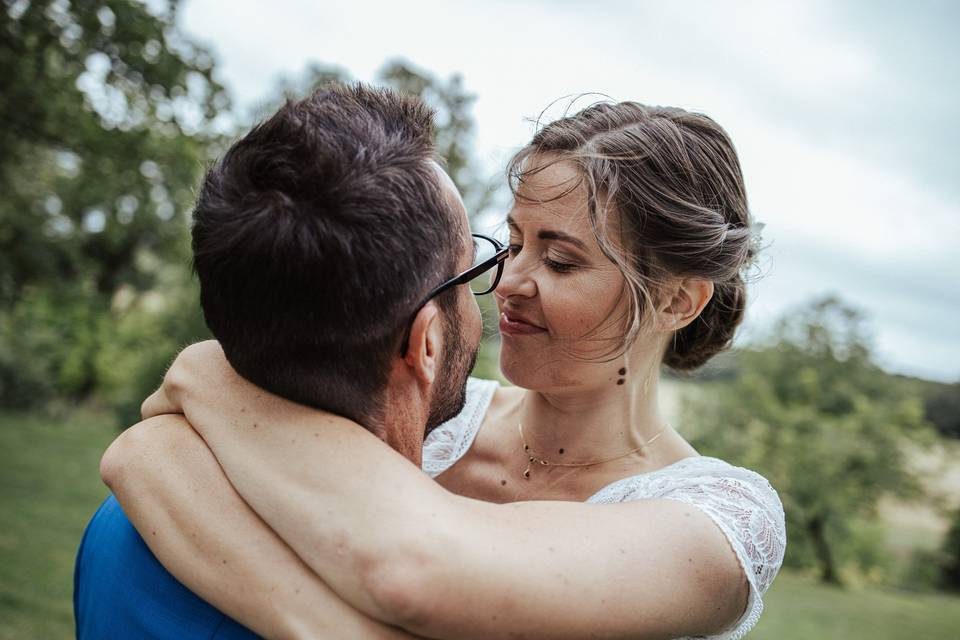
x=450 y=392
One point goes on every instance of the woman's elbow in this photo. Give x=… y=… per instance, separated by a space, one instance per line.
x=114 y=462
x=405 y=586
x=127 y=457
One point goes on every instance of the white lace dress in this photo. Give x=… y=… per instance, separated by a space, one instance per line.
x=741 y=502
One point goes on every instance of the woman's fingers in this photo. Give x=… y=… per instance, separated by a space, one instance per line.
x=190 y=366
x=158 y=403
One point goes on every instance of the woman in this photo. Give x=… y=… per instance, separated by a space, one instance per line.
x=628 y=236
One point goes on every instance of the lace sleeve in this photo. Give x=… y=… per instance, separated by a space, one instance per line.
x=749 y=513
x=449 y=441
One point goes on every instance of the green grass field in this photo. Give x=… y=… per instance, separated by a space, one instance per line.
x=50 y=488
x=798 y=608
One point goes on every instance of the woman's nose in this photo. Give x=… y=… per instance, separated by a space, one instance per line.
x=517 y=279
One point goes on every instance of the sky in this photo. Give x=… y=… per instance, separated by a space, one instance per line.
x=844 y=115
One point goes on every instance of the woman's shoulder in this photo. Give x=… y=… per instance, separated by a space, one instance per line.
x=742 y=504
x=717 y=484
x=708 y=467
x=708 y=482
x=690 y=471
x=740 y=500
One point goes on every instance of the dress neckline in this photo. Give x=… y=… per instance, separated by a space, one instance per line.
x=636 y=476
x=485 y=396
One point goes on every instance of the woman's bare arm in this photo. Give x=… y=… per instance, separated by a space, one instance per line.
x=398 y=546
x=174 y=491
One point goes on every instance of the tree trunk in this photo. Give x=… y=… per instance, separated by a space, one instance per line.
x=816 y=526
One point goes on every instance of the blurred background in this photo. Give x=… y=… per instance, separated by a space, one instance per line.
x=843 y=388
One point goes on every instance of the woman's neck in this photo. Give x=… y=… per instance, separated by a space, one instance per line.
x=584 y=425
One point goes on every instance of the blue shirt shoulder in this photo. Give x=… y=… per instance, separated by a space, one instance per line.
x=122 y=591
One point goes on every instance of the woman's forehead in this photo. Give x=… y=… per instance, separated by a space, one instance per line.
x=549 y=206
x=549 y=177
x=554 y=197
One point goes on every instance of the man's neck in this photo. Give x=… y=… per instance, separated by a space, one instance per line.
x=402 y=426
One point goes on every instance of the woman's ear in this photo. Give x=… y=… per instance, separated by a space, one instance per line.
x=686 y=300
x=426 y=340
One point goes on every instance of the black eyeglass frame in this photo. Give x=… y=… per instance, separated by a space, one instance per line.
x=496 y=260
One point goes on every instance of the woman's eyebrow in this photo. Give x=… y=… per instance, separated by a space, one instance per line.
x=550 y=234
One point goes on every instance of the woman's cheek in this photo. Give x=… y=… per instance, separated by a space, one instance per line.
x=574 y=308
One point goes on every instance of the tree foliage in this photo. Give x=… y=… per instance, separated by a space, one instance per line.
x=943 y=409
x=811 y=411
x=107 y=110
x=950 y=567
x=108 y=116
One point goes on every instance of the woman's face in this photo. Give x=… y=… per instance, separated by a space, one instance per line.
x=560 y=298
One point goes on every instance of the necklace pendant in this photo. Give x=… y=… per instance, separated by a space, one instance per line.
x=533 y=458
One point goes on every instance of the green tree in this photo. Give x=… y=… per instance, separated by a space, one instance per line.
x=107 y=110
x=943 y=409
x=950 y=552
x=812 y=412
x=108 y=115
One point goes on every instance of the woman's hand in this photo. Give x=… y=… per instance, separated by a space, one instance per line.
x=199 y=362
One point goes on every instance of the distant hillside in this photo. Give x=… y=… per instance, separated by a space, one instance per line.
x=941 y=400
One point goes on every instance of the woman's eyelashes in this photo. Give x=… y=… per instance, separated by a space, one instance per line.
x=556 y=264
x=559 y=267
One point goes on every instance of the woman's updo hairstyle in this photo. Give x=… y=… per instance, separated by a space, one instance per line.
x=674 y=180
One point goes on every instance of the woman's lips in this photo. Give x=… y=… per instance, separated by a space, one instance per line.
x=511 y=326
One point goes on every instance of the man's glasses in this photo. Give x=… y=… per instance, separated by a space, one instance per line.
x=488 y=254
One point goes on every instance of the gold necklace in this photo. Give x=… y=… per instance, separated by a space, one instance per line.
x=532 y=458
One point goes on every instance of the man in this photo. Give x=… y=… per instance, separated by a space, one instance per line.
x=327 y=243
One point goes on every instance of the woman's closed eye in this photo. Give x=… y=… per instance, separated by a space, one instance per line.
x=559 y=266
x=554 y=263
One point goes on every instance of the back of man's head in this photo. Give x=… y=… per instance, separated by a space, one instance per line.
x=314 y=238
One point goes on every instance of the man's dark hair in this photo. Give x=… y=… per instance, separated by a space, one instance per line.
x=314 y=238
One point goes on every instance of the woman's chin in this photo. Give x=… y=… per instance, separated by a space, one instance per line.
x=526 y=369
x=539 y=368
x=514 y=369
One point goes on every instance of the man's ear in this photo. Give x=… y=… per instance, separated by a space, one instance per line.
x=426 y=341
x=686 y=300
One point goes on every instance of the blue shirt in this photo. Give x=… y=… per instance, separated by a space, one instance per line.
x=120 y=590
